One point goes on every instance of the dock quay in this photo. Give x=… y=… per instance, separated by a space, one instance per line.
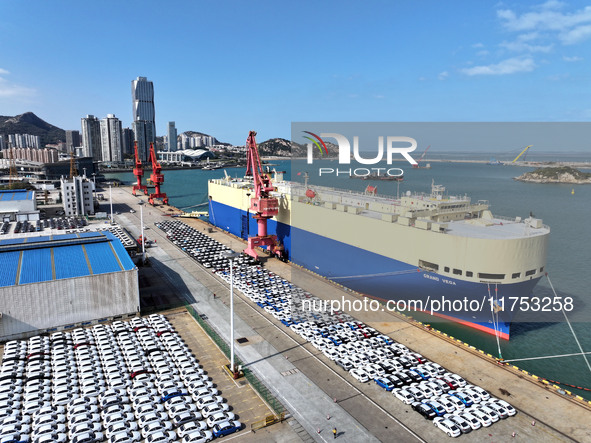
x=312 y=388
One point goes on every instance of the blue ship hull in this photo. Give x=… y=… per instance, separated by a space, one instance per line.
x=382 y=277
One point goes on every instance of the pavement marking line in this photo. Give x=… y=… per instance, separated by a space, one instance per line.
x=301 y=345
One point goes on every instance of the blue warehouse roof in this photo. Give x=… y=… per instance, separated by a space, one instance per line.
x=38 y=259
x=16 y=194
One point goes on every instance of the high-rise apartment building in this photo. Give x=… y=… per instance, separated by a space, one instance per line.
x=91 y=138
x=111 y=144
x=144 y=126
x=171 y=137
x=72 y=140
x=127 y=140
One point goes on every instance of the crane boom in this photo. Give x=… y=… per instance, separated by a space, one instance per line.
x=521 y=153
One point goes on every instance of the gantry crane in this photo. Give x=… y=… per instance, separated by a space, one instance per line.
x=262 y=204
x=157 y=178
x=138 y=171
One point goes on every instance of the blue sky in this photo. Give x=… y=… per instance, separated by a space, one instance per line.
x=227 y=67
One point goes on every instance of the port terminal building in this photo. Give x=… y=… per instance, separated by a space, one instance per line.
x=50 y=283
x=18 y=205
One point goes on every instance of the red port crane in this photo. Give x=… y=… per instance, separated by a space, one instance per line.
x=138 y=171
x=262 y=204
x=157 y=178
x=421 y=158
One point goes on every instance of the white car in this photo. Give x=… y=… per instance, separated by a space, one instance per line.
x=490 y=412
x=125 y=437
x=214 y=408
x=88 y=427
x=219 y=417
x=447 y=404
x=484 y=395
x=403 y=395
x=480 y=416
x=161 y=437
x=191 y=427
x=447 y=426
x=156 y=426
x=460 y=422
x=510 y=409
x=459 y=380
x=472 y=421
x=359 y=374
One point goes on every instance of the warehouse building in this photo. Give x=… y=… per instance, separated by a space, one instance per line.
x=50 y=282
x=18 y=205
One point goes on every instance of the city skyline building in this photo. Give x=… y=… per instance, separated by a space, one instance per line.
x=127 y=140
x=91 y=137
x=72 y=140
x=171 y=137
x=111 y=144
x=143 y=112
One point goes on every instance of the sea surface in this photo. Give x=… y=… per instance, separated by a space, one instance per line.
x=565 y=208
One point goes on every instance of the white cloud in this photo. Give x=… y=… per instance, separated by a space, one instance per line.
x=4 y=72
x=508 y=66
x=482 y=53
x=443 y=75
x=572 y=59
x=478 y=45
x=544 y=19
x=521 y=46
x=575 y=35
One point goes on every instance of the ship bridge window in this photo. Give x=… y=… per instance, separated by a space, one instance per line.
x=530 y=272
x=446 y=269
x=469 y=273
x=428 y=266
x=457 y=271
x=516 y=275
x=542 y=269
x=491 y=276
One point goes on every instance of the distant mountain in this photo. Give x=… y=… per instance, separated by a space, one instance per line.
x=280 y=147
x=29 y=123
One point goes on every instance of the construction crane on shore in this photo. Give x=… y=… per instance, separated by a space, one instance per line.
x=13 y=175
x=522 y=153
x=138 y=171
x=73 y=171
x=157 y=178
x=262 y=204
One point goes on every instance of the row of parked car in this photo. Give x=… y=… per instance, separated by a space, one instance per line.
x=5 y=227
x=121 y=383
x=454 y=405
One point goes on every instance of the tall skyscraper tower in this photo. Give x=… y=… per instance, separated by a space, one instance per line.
x=144 y=124
x=91 y=137
x=171 y=137
x=111 y=139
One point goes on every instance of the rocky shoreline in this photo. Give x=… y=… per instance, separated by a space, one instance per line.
x=563 y=175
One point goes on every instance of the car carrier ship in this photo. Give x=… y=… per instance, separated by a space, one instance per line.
x=417 y=247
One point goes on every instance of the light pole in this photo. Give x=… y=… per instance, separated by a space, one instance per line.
x=230 y=256
x=94 y=200
x=111 y=201
x=141 y=203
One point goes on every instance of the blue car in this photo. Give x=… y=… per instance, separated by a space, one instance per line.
x=173 y=395
x=383 y=382
x=436 y=407
x=466 y=399
x=420 y=373
x=226 y=428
